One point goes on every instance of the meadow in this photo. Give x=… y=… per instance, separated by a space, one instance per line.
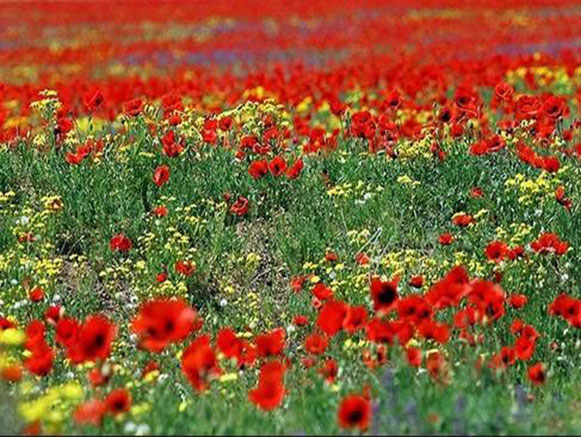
x=311 y=218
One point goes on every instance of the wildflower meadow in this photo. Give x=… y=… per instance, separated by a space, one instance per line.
x=302 y=217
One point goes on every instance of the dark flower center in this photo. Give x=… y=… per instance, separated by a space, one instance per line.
x=387 y=295
x=355 y=416
x=99 y=340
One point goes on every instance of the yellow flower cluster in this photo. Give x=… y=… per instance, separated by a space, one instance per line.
x=533 y=191
x=53 y=407
x=406 y=180
x=350 y=189
x=12 y=337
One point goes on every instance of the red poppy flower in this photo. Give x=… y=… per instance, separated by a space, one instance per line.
x=316 y=344
x=554 y=107
x=100 y=375
x=414 y=356
x=161 y=277
x=516 y=327
x=40 y=361
x=331 y=317
x=495 y=143
x=186 y=268
x=270 y=343
x=63 y=126
x=295 y=170
x=93 y=100
x=36 y=294
x=174 y=120
x=528 y=331
x=118 y=402
x=248 y=142
x=384 y=294
x=550 y=164
x=561 y=199
x=436 y=366
x=268 y=395
x=528 y=107
x=297 y=283
x=67 y=331
x=6 y=324
x=277 y=166
x=432 y=330
x=94 y=340
x=11 y=373
x=489 y=299
x=524 y=348
x=331 y=256
x=414 y=308
x=272 y=370
x=446 y=239
x=496 y=251
x=225 y=123
x=503 y=91
x=249 y=354
x=329 y=370
x=258 y=169
x=449 y=290
x=209 y=136
x=571 y=311
x=300 y=320
x=211 y=124
x=564 y=306
x=377 y=359
x=382 y=331
x=32 y=428
x=133 y=107
x=445 y=115
x=160 y=211
x=161 y=322
x=161 y=175
x=463 y=220
x=90 y=412
x=308 y=361
x=476 y=192
x=199 y=363
x=507 y=356
x=338 y=108
x=361 y=259
x=53 y=314
x=240 y=207
x=537 y=374
x=518 y=300
x=355 y=319
x=548 y=242
x=120 y=243
x=354 y=412
x=379 y=331
x=35 y=334
x=516 y=252
x=322 y=292
x=171 y=146
x=270 y=391
x=261 y=149
x=466 y=102
x=417 y=281
x=479 y=148
x=228 y=343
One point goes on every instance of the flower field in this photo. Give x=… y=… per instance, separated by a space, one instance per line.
x=300 y=217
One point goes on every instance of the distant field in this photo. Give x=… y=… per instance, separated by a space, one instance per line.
x=298 y=218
